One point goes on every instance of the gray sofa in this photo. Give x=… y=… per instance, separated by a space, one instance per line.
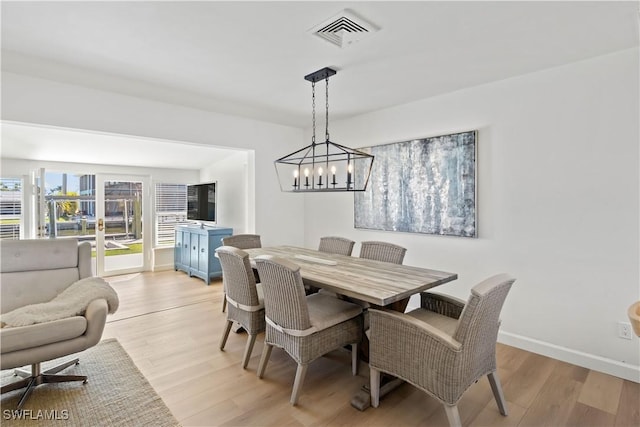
x=32 y=272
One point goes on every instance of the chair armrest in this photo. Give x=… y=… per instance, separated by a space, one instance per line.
x=442 y=304
x=96 y=315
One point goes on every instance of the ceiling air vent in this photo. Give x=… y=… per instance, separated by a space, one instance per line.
x=344 y=29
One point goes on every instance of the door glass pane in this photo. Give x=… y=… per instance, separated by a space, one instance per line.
x=70 y=207
x=70 y=204
x=123 y=225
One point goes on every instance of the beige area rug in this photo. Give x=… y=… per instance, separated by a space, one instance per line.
x=116 y=394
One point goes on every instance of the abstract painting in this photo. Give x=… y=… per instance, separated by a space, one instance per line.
x=425 y=185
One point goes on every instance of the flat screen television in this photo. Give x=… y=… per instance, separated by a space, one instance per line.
x=201 y=202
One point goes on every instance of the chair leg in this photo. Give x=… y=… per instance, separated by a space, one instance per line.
x=354 y=359
x=63 y=378
x=374 y=376
x=301 y=372
x=22 y=373
x=225 y=335
x=15 y=385
x=224 y=302
x=494 y=380
x=247 y=350
x=453 y=415
x=33 y=383
x=264 y=359
x=59 y=368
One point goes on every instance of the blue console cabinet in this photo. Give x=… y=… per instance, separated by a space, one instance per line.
x=195 y=250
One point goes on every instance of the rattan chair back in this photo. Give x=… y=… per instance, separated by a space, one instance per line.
x=238 y=275
x=480 y=320
x=382 y=251
x=284 y=295
x=243 y=241
x=336 y=245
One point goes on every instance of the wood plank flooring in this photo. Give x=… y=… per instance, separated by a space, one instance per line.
x=170 y=324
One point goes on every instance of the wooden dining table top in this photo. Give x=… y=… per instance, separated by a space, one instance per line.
x=376 y=282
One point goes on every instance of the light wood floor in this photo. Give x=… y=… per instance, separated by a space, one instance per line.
x=171 y=324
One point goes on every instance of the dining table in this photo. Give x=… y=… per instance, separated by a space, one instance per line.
x=381 y=284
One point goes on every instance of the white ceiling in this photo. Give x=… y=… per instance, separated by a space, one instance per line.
x=249 y=58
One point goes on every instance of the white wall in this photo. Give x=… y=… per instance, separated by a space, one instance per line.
x=34 y=100
x=558 y=195
x=233 y=196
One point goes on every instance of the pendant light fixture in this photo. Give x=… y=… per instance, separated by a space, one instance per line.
x=324 y=166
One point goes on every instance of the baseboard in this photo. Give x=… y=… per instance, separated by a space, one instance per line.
x=163 y=267
x=575 y=357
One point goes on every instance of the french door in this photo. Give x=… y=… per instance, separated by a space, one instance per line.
x=123 y=231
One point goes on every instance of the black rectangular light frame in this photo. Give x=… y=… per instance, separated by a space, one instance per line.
x=322 y=74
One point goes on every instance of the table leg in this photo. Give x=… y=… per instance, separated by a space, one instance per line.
x=362 y=399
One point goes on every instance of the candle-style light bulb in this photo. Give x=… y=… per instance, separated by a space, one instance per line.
x=333 y=176
x=295 y=178
x=320 y=176
x=349 y=171
x=306 y=177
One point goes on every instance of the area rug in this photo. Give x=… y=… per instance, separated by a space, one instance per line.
x=116 y=394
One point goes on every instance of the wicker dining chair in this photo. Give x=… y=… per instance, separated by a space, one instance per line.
x=246 y=303
x=336 y=245
x=306 y=327
x=378 y=251
x=382 y=251
x=243 y=241
x=240 y=241
x=443 y=347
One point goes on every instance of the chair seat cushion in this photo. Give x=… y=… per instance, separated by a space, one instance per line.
x=446 y=324
x=23 y=337
x=326 y=311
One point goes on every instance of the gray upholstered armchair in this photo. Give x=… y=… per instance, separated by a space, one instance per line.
x=443 y=347
x=37 y=272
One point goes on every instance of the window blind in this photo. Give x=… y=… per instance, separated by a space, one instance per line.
x=171 y=210
x=10 y=208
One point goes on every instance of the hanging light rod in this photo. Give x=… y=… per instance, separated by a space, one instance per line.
x=323 y=166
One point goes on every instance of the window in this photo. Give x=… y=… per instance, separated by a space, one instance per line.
x=10 y=208
x=171 y=209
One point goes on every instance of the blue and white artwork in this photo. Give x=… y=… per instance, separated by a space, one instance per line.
x=422 y=186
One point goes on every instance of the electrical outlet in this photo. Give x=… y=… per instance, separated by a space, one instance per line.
x=624 y=330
